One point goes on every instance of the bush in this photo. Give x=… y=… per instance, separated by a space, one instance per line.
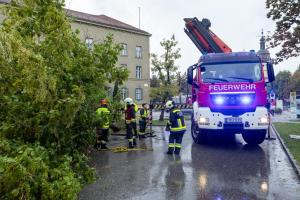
x=278 y=111
x=30 y=171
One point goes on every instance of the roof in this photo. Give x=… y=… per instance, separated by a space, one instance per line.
x=100 y=20
x=105 y=21
x=229 y=57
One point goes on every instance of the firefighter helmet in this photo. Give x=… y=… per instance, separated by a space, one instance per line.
x=170 y=104
x=128 y=101
x=103 y=102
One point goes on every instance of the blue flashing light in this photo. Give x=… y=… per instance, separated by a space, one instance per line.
x=219 y=100
x=246 y=100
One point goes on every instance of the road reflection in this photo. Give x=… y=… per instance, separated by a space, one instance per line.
x=230 y=170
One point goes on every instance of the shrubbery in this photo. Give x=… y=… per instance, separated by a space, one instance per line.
x=50 y=83
x=278 y=111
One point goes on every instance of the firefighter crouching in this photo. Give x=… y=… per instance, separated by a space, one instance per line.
x=143 y=120
x=103 y=128
x=129 y=120
x=177 y=128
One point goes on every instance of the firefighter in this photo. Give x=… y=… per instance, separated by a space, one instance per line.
x=129 y=119
x=143 y=120
x=134 y=127
x=177 y=128
x=103 y=129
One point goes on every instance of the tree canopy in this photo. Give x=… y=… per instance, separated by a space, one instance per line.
x=165 y=68
x=50 y=83
x=282 y=84
x=286 y=14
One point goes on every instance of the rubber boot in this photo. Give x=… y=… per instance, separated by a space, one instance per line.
x=177 y=150
x=134 y=142
x=170 y=150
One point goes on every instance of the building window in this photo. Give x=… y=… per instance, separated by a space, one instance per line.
x=138 y=52
x=124 y=50
x=89 y=42
x=138 y=94
x=138 y=72
x=124 y=93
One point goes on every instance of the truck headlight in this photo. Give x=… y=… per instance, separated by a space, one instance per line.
x=203 y=120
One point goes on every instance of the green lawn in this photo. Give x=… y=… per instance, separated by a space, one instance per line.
x=286 y=129
x=159 y=123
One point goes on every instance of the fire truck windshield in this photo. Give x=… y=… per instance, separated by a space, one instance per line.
x=231 y=72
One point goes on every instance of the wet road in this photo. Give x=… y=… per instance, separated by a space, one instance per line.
x=224 y=169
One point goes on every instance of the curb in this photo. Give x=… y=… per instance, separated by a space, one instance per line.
x=288 y=153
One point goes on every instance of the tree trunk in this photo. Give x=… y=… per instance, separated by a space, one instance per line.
x=116 y=90
x=162 y=114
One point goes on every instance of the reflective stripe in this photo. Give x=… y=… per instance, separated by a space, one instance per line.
x=179 y=122
x=105 y=114
x=176 y=110
x=130 y=140
x=183 y=128
x=171 y=145
x=178 y=145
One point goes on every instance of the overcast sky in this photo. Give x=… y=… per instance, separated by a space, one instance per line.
x=237 y=22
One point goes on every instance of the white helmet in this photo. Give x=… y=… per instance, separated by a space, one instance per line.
x=128 y=101
x=169 y=104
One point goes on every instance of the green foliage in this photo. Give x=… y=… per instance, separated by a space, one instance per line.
x=166 y=69
x=295 y=80
x=163 y=92
x=165 y=64
x=50 y=85
x=287 y=34
x=278 y=110
x=30 y=171
x=282 y=85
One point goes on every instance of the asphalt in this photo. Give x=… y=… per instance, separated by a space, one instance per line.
x=226 y=168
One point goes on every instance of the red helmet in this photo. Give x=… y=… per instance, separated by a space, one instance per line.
x=103 y=102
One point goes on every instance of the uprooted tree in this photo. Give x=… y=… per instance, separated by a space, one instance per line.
x=50 y=82
x=165 y=68
x=286 y=14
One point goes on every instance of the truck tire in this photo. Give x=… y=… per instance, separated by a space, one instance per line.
x=198 y=135
x=298 y=116
x=254 y=137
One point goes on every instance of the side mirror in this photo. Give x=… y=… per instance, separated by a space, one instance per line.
x=270 y=70
x=190 y=76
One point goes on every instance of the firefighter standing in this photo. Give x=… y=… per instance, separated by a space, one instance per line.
x=103 y=128
x=177 y=128
x=143 y=120
x=129 y=119
x=134 y=127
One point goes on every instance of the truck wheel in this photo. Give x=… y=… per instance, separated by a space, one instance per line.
x=254 y=137
x=198 y=135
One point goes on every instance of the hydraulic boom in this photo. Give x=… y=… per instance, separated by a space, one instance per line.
x=205 y=40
